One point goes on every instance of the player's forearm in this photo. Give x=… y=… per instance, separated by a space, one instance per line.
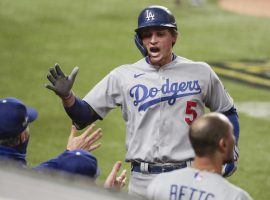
x=81 y=113
x=233 y=117
x=230 y=168
x=69 y=100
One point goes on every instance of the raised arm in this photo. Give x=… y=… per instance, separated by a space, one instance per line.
x=62 y=84
x=81 y=113
x=85 y=141
x=113 y=182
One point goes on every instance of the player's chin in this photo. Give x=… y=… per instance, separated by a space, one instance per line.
x=156 y=60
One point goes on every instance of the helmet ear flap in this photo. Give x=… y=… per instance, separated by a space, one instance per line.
x=139 y=45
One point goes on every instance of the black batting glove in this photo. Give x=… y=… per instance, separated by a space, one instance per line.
x=60 y=83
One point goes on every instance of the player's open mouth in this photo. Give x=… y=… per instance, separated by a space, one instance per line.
x=154 y=49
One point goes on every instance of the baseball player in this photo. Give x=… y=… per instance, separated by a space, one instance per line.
x=159 y=95
x=213 y=141
x=15 y=118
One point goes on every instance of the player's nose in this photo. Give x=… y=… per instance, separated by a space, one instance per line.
x=153 y=38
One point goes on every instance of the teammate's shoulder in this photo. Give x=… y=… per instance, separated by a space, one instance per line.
x=237 y=192
x=243 y=195
x=176 y=173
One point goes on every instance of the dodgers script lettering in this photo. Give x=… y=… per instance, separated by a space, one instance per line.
x=146 y=96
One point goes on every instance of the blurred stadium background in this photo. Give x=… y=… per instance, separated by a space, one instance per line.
x=97 y=36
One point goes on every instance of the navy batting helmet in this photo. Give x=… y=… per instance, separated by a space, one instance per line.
x=156 y=16
x=153 y=16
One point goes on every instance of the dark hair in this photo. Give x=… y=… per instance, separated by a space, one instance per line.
x=174 y=33
x=11 y=141
x=206 y=132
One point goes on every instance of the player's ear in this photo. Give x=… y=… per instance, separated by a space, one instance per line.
x=24 y=135
x=222 y=145
x=174 y=37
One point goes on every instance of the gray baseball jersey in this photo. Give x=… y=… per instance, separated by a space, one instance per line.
x=192 y=184
x=158 y=105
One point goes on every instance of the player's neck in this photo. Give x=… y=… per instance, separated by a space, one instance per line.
x=161 y=63
x=211 y=164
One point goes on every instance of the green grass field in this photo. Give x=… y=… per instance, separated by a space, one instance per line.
x=97 y=36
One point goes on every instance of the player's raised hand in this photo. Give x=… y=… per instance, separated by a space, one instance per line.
x=113 y=182
x=60 y=83
x=86 y=140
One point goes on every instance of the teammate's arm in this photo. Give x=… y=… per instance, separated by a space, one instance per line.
x=85 y=141
x=112 y=181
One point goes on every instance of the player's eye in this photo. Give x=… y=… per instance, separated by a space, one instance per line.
x=146 y=34
x=161 y=33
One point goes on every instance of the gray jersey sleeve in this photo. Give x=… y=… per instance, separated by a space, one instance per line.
x=106 y=95
x=217 y=98
x=243 y=195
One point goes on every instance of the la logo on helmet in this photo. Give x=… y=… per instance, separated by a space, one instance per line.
x=149 y=15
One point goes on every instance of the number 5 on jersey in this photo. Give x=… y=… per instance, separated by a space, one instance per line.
x=191 y=111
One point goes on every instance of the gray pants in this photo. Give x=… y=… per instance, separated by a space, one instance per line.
x=138 y=184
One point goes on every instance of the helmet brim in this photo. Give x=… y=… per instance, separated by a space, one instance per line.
x=140 y=29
